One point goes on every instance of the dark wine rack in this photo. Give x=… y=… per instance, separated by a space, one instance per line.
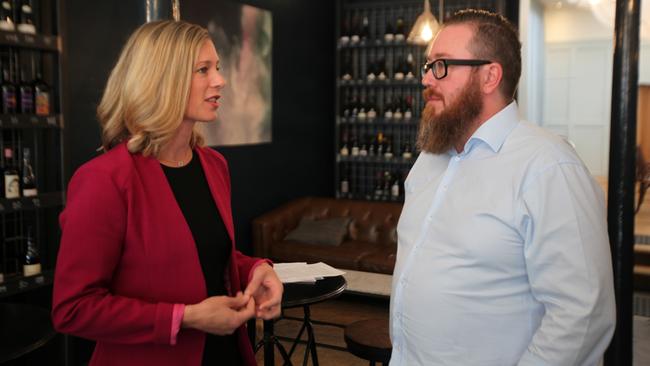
x=363 y=170
x=43 y=135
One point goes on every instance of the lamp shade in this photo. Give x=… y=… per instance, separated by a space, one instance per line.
x=425 y=27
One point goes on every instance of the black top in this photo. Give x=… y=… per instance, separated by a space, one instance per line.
x=213 y=244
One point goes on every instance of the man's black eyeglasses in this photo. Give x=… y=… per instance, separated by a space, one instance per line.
x=439 y=66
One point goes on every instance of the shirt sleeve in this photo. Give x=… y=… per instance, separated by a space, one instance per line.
x=569 y=267
x=93 y=227
x=177 y=321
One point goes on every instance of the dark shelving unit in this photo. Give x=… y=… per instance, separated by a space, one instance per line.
x=42 y=134
x=362 y=169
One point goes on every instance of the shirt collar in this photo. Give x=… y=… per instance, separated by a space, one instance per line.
x=494 y=131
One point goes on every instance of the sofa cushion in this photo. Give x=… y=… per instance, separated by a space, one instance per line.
x=326 y=231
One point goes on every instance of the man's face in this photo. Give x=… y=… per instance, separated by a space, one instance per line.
x=453 y=102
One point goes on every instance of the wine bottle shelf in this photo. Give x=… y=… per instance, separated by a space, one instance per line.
x=369 y=197
x=413 y=83
x=376 y=43
x=40 y=42
x=44 y=200
x=413 y=121
x=374 y=159
x=16 y=284
x=29 y=121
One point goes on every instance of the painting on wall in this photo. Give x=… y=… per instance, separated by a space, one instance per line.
x=242 y=35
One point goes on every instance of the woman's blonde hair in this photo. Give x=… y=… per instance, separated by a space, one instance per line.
x=148 y=89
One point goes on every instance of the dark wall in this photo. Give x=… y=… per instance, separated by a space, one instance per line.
x=298 y=162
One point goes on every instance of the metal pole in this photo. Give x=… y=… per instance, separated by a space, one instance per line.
x=162 y=9
x=620 y=209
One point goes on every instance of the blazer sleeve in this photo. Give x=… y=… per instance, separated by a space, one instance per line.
x=93 y=229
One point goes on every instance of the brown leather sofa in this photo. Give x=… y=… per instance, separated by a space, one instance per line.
x=370 y=244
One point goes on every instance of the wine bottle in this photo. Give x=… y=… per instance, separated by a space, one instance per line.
x=354 y=151
x=42 y=96
x=407 y=153
x=409 y=66
x=397 y=109
x=378 y=192
x=345 y=184
x=6 y=17
x=32 y=260
x=26 y=23
x=408 y=107
x=346 y=68
x=371 y=109
x=380 y=144
x=388 y=109
x=363 y=150
x=371 y=72
x=365 y=30
x=8 y=88
x=394 y=189
x=345 y=31
x=389 y=33
x=399 y=30
x=12 y=180
x=385 y=192
x=399 y=69
x=28 y=179
x=344 y=150
x=381 y=69
x=26 y=92
x=355 y=31
x=388 y=151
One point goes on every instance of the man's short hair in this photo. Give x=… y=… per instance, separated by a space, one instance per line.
x=495 y=39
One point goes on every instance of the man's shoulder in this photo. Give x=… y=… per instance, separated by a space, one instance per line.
x=534 y=142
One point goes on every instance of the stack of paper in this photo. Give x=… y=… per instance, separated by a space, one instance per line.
x=303 y=272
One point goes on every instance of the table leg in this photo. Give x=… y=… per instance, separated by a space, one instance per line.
x=269 y=354
x=311 y=339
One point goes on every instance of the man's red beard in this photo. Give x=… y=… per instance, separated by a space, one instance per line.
x=440 y=131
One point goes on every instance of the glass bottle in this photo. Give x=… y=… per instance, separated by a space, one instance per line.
x=32 y=259
x=28 y=178
x=26 y=19
x=12 y=180
x=6 y=17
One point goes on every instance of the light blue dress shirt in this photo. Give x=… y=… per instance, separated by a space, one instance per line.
x=503 y=256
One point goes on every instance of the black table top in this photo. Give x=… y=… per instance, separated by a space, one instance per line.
x=299 y=294
x=23 y=328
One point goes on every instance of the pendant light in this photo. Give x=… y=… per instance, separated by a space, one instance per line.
x=425 y=26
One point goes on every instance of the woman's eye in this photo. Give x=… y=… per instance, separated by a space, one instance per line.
x=202 y=70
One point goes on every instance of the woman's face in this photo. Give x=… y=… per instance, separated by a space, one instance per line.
x=206 y=86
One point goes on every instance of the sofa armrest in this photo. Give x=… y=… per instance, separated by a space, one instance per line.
x=274 y=225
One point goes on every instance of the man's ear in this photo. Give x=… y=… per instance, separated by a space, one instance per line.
x=492 y=75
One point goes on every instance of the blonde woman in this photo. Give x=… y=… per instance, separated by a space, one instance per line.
x=147 y=265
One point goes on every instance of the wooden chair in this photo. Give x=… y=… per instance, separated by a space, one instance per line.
x=642 y=176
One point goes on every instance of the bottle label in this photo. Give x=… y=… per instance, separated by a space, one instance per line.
x=30 y=192
x=12 y=186
x=26 y=101
x=42 y=103
x=9 y=101
x=31 y=269
x=345 y=186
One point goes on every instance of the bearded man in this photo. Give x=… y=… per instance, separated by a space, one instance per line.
x=503 y=256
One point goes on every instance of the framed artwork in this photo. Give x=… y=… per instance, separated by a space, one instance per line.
x=243 y=37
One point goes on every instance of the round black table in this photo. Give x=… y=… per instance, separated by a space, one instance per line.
x=23 y=328
x=295 y=295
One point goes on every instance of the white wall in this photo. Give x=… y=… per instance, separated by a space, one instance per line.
x=577 y=81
